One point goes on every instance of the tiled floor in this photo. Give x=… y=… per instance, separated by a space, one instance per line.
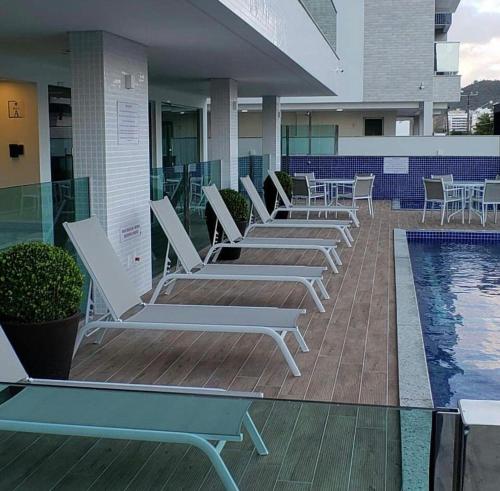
x=352 y=354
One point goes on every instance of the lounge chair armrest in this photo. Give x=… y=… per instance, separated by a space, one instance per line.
x=171 y=389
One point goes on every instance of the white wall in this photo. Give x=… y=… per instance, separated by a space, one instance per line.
x=473 y=146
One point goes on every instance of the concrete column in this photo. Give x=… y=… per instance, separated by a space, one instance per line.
x=111 y=141
x=224 y=129
x=426 y=124
x=271 y=130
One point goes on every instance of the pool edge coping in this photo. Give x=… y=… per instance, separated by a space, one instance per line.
x=414 y=383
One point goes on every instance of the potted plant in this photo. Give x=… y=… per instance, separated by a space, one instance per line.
x=270 y=192
x=40 y=295
x=238 y=207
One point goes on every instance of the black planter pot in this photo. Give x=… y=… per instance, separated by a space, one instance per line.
x=45 y=349
x=270 y=194
x=229 y=253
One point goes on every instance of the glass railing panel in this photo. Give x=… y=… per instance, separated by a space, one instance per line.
x=36 y=212
x=256 y=167
x=309 y=140
x=310 y=445
x=447 y=58
x=182 y=184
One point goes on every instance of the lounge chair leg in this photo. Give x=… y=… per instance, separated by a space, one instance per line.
x=286 y=352
x=257 y=440
x=314 y=295
x=322 y=289
x=329 y=259
x=336 y=256
x=301 y=341
x=425 y=209
x=349 y=236
x=216 y=460
x=158 y=288
x=344 y=236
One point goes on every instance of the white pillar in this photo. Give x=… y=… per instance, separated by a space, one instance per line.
x=224 y=129
x=271 y=130
x=111 y=141
x=426 y=125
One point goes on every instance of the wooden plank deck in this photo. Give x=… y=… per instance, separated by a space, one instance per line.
x=353 y=355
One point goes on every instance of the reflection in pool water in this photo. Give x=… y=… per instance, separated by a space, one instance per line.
x=458 y=291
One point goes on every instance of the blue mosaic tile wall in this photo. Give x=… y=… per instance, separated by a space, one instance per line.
x=391 y=186
x=453 y=236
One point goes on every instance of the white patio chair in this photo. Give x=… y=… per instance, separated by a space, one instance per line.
x=164 y=414
x=267 y=221
x=125 y=309
x=305 y=187
x=288 y=206
x=193 y=268
x=484 y=198
x=234 y=238
x=436 y=192
x=363 y=190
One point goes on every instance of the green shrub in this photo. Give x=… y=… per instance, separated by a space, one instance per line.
x=286 y=182
x=236 y=203
x=38 y=283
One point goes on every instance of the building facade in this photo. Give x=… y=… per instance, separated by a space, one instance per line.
x=396 y=64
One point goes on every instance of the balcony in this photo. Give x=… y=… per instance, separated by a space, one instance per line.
x=443 y=21
x=447 y=58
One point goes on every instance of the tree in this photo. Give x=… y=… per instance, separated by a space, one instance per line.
x=484 y=125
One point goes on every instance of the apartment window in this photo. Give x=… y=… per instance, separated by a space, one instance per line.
x=374 y=126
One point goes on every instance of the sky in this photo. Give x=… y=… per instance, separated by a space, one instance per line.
x=476 y=24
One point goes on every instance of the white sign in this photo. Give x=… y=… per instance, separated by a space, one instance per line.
x=130 y=232
x=128 y=124
x=396 y=165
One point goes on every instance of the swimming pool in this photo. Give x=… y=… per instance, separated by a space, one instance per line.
x=457 y=281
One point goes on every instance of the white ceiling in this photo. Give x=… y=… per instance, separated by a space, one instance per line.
x=188 y=41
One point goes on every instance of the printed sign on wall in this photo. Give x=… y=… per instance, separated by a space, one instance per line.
x=16 y=109
x=128 y=124
x=396 y=165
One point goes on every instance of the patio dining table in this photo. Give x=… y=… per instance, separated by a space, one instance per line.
x=468 y=190
x=333 y=184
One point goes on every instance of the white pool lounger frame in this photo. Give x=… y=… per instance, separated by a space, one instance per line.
x=268 y=221
x=121 y=298
x=328 y=247
x=158 y=413
x=289 y=206
x=193 y=268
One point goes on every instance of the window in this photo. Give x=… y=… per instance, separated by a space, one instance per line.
x=374 y=126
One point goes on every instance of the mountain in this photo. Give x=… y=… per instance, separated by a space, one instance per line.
x=487 y=90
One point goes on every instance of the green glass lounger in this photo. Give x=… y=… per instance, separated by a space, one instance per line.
x=192 y=266
x=328 y=247
x=162 y=414
x=289 y=206
x=127 y=311
x=268 y=221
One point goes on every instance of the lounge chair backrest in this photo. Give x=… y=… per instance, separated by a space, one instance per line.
x=434 y=189
x=176 y=234
x=11 y=368
x=103 y=265
x=363 y=186
x=286 y=201
x=492 y=191
x=256 y=200
x=220 y=209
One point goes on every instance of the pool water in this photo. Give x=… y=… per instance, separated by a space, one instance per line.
x=458 y=292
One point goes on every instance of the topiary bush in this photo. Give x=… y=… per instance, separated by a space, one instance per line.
x=286 y=182
x=236 y=203
x=38 y=283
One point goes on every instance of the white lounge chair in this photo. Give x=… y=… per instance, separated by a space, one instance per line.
x=193 y=268
x=234 y=238
x=267 y=221
x=120 y=297
x=289 y=206
x=164 y=414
